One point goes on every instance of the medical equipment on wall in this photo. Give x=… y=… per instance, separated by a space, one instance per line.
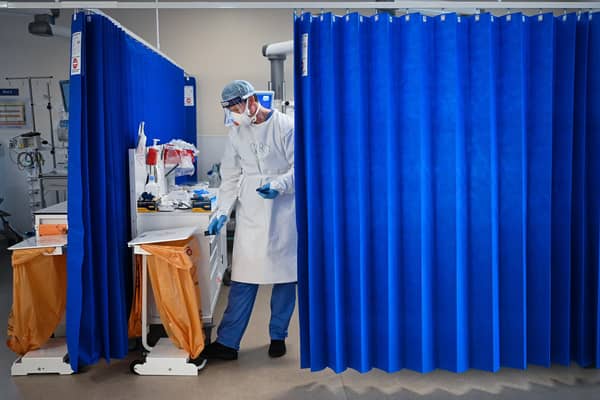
x=28 y=150
x=24 y=151
x=62 y=130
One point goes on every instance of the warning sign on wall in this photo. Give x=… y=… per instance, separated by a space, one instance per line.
x=188 y=96
x=76 y=53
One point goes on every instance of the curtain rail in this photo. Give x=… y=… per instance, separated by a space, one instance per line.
x=399 y=4
x=134 y=36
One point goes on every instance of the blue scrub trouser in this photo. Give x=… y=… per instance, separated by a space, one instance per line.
x=239 y=308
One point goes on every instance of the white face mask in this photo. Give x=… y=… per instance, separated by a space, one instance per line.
x=244 y=119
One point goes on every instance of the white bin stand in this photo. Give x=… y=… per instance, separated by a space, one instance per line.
x=52 y=358
x=164 y=358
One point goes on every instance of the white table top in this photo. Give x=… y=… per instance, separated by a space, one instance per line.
x=60 y=208
x=41 y=242
x=163 y=235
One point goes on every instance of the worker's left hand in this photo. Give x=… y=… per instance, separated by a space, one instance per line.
x=266 y=192
x=216 y=224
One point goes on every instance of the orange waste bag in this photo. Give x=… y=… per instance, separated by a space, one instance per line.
x=135 y=316
x=39 y=298
x=172 y=271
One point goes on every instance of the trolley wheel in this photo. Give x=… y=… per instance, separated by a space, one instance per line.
x=202 y=365
x=133 y=364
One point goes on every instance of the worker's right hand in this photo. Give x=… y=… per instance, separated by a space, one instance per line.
x=216 y=224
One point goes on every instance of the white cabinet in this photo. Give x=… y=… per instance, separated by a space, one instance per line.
x=213 y=259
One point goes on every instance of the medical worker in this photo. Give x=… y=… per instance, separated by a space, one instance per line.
x=258 y=178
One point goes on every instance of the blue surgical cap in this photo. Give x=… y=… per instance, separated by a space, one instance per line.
x=235 y=92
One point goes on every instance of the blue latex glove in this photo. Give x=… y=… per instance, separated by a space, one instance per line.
x=266 y=192
x=216 y=224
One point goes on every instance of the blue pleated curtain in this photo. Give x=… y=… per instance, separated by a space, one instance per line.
x=122 y=82
x=448 y=190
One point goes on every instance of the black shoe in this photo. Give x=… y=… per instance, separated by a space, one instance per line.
x=199 y=362
x=277 y=348
x=217 y=351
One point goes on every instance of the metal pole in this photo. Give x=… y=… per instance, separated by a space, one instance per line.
x=277 y=75
x=144 y=288
x=53 y=149
x=157 y=27
x=40 y=180
x=31 y=104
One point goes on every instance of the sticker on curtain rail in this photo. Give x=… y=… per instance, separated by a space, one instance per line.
x=76 y=53
x=188 y=96
x=305 y=54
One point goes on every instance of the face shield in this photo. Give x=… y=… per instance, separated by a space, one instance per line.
x=230 y=118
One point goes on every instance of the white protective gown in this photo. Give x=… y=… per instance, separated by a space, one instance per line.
x=264 y=250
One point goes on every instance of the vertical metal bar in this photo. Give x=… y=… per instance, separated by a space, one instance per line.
x=53 y=151
x=31 y=103
x=145 y=303
x=157 y=27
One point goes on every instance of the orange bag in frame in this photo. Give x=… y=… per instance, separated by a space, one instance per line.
x=39 y=298
x=134 y=327
x=172 y=271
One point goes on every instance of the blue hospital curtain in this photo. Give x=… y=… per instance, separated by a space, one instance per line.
x=448 y=191
x=120 y=83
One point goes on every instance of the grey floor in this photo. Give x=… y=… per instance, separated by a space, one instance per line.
x=256 y=376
